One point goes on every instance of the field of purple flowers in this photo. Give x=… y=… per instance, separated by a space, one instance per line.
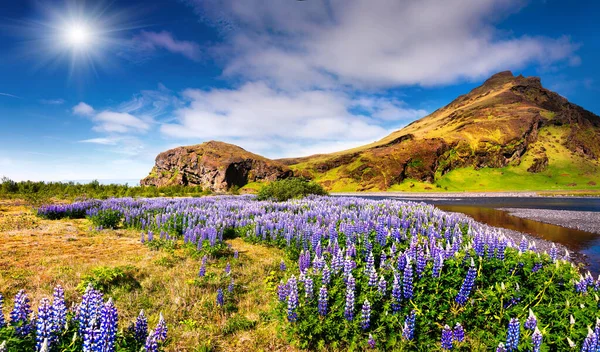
x=383 y=275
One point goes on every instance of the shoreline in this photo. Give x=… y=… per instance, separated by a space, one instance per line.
x=587 y=221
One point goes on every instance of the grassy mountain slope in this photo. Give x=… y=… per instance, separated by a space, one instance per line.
x=508 y=134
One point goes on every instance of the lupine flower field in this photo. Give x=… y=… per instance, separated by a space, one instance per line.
x=369 y=275
x=91 y=325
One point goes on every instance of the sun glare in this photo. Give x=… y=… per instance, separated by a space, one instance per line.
x=84 y=35
x=78 y=35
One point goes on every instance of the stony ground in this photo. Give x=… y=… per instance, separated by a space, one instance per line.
x=581 y=220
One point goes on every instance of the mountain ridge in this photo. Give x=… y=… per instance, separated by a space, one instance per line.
x=509 y=123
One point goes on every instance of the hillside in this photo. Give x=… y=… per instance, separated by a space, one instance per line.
x=213 y=165
x=508 y=134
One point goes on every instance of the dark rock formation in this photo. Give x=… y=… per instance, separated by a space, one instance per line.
x=213 y=165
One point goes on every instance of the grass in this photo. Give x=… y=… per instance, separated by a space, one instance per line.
x=566 y=171
x=38 y=254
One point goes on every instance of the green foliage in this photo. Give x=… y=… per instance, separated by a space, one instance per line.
x=106 y=278
x=289 y=188
x=106 y=218
x=40 y=193
x=238 y=323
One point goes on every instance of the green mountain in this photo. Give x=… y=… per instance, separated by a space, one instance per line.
x=508 y=134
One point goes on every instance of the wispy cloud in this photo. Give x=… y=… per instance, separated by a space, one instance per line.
x=147 y=43
x=52 y=101
x=9 y=95
x=102 y=141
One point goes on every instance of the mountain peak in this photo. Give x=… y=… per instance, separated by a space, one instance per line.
x=500 y=78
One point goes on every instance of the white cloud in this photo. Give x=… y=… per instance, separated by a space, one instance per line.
x=52 y=101
x=102 y=141
x=293 y=123
x=119 y=122
x=83 y=109
x=113 y=121
x=146 y=43
x=373 y=44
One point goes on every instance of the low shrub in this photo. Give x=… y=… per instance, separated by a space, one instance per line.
x=289 y=188
x=105 y=218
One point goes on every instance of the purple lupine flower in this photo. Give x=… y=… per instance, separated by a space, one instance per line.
x=228 y=268
x=91 y=337
x=370 y=264
x=458 y=334
x=408 y=330
x=421 y=262
x=349 y=308
x=44 y=326
x=501 y=347
x=373 y=277
x=292 y=299
x=438 y=264
x=447 y=338
x=2 y=321
x=88 y=312
x=407 y=281
x=282 y=266
x=553 y=253
x=531 y=321
x=308 y=287
x=220 y=297
x=323 y=301
x=396 y=295
x=383 y=260
x=348 y=266
x=536 y=340
x=524 y=245
x=326 y=277
x=590 y=344
x=467 y=285
x=140 y=328
x=202 y=271
x=151 y=343
x=513 y=335
x=231 y=286
x=366 y=315
x=161 y=330
x=59 y=309
x=20 y=314
x=108 y=327
x=382 y=286
x=371 y=342
x=282 y=291
x=236 y=254
x=536 y=267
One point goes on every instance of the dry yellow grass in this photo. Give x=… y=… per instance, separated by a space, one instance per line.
x=38 y=254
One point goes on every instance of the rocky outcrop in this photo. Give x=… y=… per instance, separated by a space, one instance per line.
x=213 y=165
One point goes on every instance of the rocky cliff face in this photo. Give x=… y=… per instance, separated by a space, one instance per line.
x=213 y=165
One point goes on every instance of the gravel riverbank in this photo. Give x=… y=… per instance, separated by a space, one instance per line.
x=581 y=220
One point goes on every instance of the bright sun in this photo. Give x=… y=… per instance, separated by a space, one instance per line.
x=78 y=35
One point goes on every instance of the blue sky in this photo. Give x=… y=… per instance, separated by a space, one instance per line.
x=94 y=90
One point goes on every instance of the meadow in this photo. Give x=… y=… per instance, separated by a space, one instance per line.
x=318 y=273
